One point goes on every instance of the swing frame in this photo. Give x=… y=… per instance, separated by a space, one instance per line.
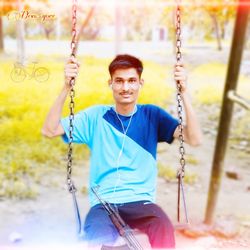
x=180 y=172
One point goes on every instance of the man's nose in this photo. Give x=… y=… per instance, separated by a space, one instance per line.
x=125 y=85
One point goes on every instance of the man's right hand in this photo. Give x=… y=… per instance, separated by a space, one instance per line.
x=71 y=70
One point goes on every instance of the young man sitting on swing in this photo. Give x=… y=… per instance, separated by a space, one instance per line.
x=123 y=142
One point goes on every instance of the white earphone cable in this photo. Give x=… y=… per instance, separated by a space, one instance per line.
x=122 y=148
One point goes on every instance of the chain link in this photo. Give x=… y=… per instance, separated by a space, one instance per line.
x=73 y=46
x=181 y=170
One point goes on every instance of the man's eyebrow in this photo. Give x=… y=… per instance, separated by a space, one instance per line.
x=118 y=77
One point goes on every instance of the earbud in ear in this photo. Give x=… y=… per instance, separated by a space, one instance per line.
x=139 y=86
x=111 y=86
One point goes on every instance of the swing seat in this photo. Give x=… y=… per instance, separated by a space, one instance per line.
x=121 y=245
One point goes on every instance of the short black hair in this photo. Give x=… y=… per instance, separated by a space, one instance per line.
x=125 y=61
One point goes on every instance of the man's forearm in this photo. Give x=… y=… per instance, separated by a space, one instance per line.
x=53 y=118
x=192 y=129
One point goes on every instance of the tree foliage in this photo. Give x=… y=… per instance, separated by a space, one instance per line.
x=202 y=20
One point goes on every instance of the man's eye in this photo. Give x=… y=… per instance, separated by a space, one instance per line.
x=118 y=81
x=132 y=81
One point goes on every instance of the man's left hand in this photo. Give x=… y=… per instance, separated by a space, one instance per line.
x=180 y=76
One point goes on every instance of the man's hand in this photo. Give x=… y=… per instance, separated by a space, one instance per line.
x=180 y=76
x=192 y=132
x=71 y=70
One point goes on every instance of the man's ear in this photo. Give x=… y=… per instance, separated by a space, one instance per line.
x=110 y=83
x=141 y=82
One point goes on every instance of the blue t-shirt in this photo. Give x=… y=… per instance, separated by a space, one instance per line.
x=129 y=175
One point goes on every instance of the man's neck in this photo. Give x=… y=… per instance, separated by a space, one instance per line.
x=125 y=109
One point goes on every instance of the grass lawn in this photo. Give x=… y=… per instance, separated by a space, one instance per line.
x=24 y=105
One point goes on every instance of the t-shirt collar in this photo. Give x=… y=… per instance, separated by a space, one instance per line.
x=128 y=115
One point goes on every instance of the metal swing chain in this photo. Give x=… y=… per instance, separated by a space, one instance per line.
x=70 y=183
x=181 y=170
x=179 y=97
x=71 y=187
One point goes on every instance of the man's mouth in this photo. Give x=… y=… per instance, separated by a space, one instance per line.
x=125 y=95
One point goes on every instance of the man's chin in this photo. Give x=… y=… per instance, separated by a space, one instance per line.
x=126 y=101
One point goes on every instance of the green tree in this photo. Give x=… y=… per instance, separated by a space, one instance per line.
x=5 y=7
x=220 y=12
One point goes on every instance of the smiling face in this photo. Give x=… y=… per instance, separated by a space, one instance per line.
x=126 y=85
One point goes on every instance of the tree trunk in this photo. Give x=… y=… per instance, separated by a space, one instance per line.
x=223 y=27
x=216 y=29
x=1 y=35
x=84 y=24
x=20 y=37
x=118 y=29
x=58 y=27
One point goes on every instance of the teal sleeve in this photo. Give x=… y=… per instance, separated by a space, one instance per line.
x=81 y=128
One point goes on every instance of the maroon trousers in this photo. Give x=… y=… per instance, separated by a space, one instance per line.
x=146 y=216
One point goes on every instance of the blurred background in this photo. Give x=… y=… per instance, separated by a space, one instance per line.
x=35 y=41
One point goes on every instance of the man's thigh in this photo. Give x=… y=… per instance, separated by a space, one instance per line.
x=150 y=219
x=140 y=210
x=98 y=227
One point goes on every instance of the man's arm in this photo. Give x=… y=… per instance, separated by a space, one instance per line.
x=52 y=126
x=191 y=131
